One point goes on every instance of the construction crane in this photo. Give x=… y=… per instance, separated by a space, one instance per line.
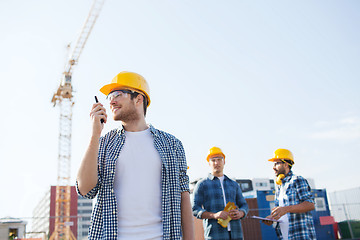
x=63 y=97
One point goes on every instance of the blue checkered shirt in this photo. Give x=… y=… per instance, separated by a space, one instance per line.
x=173 y=178
x=208 y=196
x=301 y=225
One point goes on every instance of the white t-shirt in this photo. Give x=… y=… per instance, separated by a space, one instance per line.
x=284 y=224
x=222 y=188
x=137 y=188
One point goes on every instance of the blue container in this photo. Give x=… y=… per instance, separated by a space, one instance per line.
x=265 y=206
x=322 y=209
x=266 y=203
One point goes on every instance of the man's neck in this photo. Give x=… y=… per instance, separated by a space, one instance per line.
x=218 y=174
x=135 y=126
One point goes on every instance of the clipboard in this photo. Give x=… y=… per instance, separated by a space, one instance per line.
x=266 y=219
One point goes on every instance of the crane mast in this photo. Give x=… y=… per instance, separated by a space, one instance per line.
x=63 y=97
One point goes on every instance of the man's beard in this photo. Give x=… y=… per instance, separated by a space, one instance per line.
x=218 y=170
x=127 y=115
x=280 y=171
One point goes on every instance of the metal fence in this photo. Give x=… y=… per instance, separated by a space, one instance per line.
x=347 y=217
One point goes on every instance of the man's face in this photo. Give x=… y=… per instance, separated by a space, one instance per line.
x=216 y=164
x=122 y=106
x=280 y=167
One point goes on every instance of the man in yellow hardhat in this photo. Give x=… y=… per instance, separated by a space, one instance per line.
x=137 y=172
x=210 y=197
x=293 y=201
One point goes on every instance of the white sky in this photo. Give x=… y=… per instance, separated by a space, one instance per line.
x=247 y=76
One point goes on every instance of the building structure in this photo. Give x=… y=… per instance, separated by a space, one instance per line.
x=84 y=215
x=250 y=187
x=44 y=214
x=41 y=215
x=12 y=228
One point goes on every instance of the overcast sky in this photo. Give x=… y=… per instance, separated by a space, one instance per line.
x=247 y=76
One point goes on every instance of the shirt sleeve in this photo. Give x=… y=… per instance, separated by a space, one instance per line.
x=184 y=178
x=91 y=194
x=197 y=201
x=303 y=190
x=241 y=202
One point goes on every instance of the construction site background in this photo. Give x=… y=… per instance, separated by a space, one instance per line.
x=337 y=216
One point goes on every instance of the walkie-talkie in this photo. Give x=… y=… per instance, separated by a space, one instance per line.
x=96 y=100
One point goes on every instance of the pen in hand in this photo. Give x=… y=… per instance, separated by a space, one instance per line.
x=96 y=100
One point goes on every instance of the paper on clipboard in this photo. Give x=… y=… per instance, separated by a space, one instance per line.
x=266 y=219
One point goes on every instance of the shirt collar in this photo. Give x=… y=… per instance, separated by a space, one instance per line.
x=121 y=130
x=288 y=176
x=212 y=177
x=153 y=130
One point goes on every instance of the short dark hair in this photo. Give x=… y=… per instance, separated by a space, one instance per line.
x=289 y=162
x=134 y=95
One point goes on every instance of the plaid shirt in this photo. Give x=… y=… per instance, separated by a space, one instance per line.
x=173 y=177
x=301 y=225
x=208 y=196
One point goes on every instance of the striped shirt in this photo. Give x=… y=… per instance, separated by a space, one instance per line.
x=301 y=225
x=174 y=181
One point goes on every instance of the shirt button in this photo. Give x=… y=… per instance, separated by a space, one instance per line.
x=114 y=212
x=112 y=190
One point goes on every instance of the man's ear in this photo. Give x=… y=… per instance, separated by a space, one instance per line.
x=288 y=166
x=139 y=99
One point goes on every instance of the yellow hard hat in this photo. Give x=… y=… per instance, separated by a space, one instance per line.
x=128 y=80
x=282 y=154
x=215 y=151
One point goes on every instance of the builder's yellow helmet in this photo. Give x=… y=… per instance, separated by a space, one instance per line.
x=128 y=80
x=215 y=151
x=282 y=154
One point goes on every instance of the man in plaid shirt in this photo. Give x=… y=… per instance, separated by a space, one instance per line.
x=293 y=201
x=137 y=172
x=212 y=194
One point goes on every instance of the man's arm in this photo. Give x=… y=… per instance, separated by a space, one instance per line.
x=87 y=177
x=187 y=221
x=217 y=215
x=278 y=212
x=242 y=205
x=305 y=197
x=303 y=207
